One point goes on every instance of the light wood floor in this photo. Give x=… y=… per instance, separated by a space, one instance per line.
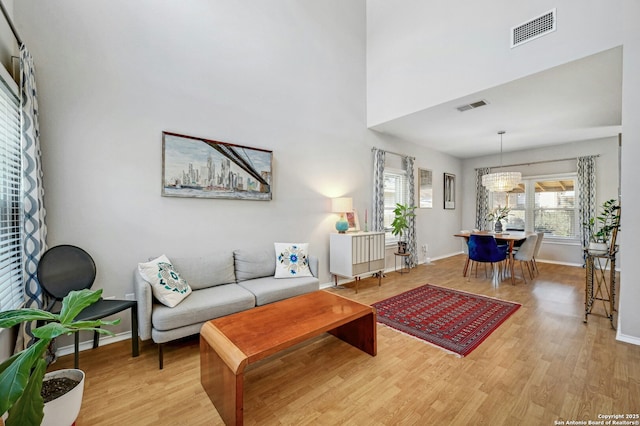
x=542 y=365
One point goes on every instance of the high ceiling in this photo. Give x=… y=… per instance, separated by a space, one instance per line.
x=580 y=100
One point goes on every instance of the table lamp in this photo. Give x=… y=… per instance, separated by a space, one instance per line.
x=342 y=205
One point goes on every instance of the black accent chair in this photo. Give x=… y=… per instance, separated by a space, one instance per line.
x=65 y=268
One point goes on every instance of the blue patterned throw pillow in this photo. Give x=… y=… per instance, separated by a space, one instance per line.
x=291 y=260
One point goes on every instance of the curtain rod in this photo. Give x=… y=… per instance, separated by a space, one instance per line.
x=539 y=162
x=13 y=29
x=391 y=152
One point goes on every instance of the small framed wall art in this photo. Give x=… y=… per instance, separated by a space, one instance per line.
x=449 y=191
x=425 y=189
x=352 y=218
x=204 y=168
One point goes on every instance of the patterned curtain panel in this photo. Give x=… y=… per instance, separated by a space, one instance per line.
x=411 y=235
x=34 y=228
x=482 y=199
x=586 y=194
x=377 y=217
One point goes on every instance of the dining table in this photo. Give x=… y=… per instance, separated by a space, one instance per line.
x=510 y=238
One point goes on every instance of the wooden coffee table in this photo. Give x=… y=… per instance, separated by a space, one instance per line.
x=229 y=344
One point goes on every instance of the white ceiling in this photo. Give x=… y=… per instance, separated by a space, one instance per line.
x=580 y=100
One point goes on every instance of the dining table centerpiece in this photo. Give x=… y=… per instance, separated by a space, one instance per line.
x=498 y=215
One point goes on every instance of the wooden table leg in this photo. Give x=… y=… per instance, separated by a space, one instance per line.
x=360 y=333
x=222 y=374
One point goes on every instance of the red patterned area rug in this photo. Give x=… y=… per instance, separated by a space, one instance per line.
x=451 y=319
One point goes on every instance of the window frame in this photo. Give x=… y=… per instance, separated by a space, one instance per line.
x=391 y=239
x=11 y=256
x=530 y=209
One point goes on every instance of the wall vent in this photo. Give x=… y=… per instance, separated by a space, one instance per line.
x=472 y=105
x=536 y=27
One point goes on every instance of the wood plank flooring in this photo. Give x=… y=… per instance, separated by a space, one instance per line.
x=543 y=365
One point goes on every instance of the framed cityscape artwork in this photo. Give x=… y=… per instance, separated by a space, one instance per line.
x=203 y=168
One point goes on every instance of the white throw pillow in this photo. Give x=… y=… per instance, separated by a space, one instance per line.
x=292 y=260
x=166 y=284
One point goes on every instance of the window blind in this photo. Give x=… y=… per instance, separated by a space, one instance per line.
x=11 y=282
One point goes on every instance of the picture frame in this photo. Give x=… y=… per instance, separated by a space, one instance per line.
x=425 y=188
x=352 y=218
x=449 y=191
x=203 y=168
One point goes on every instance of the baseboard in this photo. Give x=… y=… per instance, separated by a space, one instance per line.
x=625 y=338
x=88 y=344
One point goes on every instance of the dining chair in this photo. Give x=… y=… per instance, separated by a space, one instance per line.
x=525 y=254
x=485 y=249
x=65 y=268
x=536 y=250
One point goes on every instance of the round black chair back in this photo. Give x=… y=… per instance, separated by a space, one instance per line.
x=64 y=268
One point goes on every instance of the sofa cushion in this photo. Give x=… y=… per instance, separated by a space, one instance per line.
x=292 y=260
x=166 y=283
x=206 y=271
x=203 y=305
x=252 y=264
x=270 y=289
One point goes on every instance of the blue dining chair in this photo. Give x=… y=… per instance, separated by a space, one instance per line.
x=485 y=249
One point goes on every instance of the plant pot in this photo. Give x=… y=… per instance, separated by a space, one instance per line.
x=402 y=247
x=598 y=248
x=64 y=410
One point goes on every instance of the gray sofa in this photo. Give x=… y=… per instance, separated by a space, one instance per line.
x=222 y=284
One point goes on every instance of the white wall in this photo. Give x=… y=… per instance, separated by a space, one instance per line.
x=423 y=53
x=8 y=44
x=606 y=178
x=629 y=319
x=288 y=76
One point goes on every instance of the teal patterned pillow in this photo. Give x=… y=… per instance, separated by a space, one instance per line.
x=166 y=283
x=292 y=260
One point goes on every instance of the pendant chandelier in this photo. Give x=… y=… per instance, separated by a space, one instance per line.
x=501 y=181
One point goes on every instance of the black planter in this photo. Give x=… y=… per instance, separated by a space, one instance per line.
x=402 y=247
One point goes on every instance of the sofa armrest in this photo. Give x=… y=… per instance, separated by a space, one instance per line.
x=313 y=265
x=144 y=296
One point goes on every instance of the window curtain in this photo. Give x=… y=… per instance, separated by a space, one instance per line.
x=411 y=235
x=34 y=227
x=377 y=217
x=482 y=199
x=586 y=194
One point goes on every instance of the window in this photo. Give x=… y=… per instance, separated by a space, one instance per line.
x=395 y=191
x=544 y=204
x=11 y=286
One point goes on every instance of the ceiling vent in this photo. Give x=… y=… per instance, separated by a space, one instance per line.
x=531 y=30
x=472 y=105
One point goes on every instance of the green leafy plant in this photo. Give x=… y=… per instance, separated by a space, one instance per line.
x=21 y=375
x=498 y=213
x=601 y=227
x=400 y=222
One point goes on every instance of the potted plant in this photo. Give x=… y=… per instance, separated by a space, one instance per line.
x=497 y=215
x=22 y=375
x=600 y=228
x=400 y=224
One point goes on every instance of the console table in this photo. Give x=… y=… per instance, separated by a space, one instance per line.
x=357 y=254
x=600 y=283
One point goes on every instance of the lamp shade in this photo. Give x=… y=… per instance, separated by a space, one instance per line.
x=501 y=181
x=341 y=205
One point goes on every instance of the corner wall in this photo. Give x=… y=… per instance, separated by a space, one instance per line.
x=112 y=75
x=424 y=53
